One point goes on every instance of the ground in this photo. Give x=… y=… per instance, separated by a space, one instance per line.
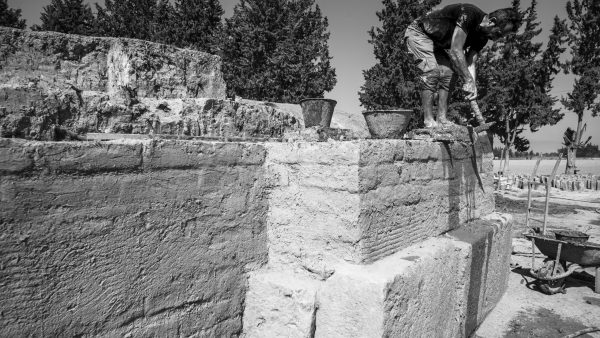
x=526 y=312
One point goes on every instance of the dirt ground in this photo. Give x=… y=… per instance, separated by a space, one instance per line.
x=524 y=311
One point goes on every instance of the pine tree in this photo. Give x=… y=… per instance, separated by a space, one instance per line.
x=277 y=50
x=392 y=82
x=10 y=17
x=67 y=16
x=139 y=19
x=199 y=25
x=514 y=79
x=584 y=29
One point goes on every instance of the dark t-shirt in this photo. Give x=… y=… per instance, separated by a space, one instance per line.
x=439 y=25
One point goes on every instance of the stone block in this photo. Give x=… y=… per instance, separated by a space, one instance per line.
x=442 y=287
x=418 y=291
x=280 y=304
x=374 y=152
x=360 y=201
x=490 y=240
x=330 y=153
x=311 y=226
x=88 y=158
x=161 y=154
x=108 y=64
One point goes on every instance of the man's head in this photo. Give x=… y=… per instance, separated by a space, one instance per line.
x=500 y=23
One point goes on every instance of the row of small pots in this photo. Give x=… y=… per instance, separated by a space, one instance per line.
x=381 y=123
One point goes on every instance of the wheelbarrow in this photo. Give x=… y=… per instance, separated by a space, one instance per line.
x=566 y=251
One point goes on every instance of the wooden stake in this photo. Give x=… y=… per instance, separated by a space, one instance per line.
x=529 y=187
x=557 y=260
x=597 y=288
x=532 y=253
x=548 y=193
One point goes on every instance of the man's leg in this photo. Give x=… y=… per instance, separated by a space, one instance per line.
x=443 y=107
x=420 y=47
x=428 y=84
x=446 y=74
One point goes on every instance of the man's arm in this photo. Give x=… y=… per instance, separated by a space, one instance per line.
x=458 y=58
x=471 y=60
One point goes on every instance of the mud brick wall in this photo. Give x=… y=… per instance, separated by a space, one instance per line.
x=361 y=201
x=145 y=238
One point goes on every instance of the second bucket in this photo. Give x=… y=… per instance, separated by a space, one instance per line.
x=317 y=112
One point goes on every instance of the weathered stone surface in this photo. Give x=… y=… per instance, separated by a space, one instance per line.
x=156 y=238
x=280 y=304
x=353 y=121
x=490 y=240
x=442 y=287
x=408 y=294
x=57 y=85
x=108 y=65
x=360 y=201
x=120 y=247
x=413 y=190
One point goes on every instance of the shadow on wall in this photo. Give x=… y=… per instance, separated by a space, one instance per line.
x=464 y=178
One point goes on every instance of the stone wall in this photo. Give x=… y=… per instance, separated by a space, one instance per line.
x=363 y=238
x=361 y=201
x=108 y=65
x=144 y=238
x=54 y=86
x=379 y=238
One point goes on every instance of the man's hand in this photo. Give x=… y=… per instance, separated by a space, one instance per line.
x=471 y=90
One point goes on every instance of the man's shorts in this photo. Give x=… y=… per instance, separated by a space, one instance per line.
x=434 y=63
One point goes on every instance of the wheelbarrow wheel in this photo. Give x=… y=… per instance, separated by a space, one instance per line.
x=548 y=285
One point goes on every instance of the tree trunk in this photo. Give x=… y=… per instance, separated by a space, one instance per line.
x=506 y=145
x=500 y=167
x=572 y=150
x=571 y=155
x=506 y=157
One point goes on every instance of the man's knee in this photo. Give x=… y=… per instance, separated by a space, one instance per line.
x=445 y=78
x=429 y=80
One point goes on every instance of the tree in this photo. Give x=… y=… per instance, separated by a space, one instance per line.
x=584 y=29
x=199 y=25
x=514 y=79
x=392 y=82
x=67 y=16
x=138 y=19
x=10 y=17
x=277 y=50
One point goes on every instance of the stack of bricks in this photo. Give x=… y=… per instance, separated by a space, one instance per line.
x=562 y=182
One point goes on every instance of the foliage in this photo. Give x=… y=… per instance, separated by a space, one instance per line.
x=570 y=138
x=589 y=151
x=192 y=24
x=10 y=17
x=392 y=82
x=67 y=16
x=139 y=19
x=515 y=78
x=277 y=50
x=198 y=25
x=584 y=29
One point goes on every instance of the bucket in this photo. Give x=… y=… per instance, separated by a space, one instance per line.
x=387 y=123
x=317 y=112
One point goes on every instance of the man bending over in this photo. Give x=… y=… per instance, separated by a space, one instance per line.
x=448 y=40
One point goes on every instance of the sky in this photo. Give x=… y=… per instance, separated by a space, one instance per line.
x=349 y=22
